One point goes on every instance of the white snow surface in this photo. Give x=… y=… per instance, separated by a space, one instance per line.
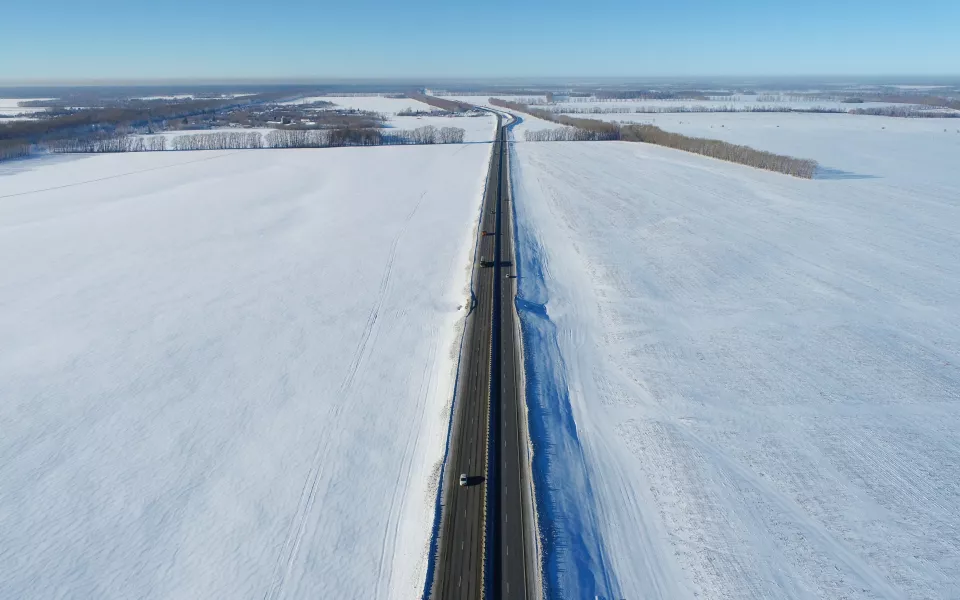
x=763 y=371
x=380 y=104
x=913 y=154
x=228 y=374
x=174 y=133
x=11 y=106
x=736 y=102
x=484 y=99
x=480 y=128
x=170 y=97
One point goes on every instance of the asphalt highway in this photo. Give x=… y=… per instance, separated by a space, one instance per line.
x=485 y=543
x=460 y=560
x=514 y=531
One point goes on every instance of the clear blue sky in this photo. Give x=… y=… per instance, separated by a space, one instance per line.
x=80 y=39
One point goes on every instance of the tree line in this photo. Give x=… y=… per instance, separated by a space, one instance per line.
x=564 y=134
x=592 y=129
x=107 y=143
x=244 y=140
x=441 y=103
x=726 y=108
x=744 y=155
x=328 y=138
x=102 y=128
x=911 y=112
x=10 y=149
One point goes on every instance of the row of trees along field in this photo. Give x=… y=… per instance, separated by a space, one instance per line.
x=279 y=138
x=441 y=103
x=695 y=108
x=744 y=155
x=102 y=128
x=593 y=129
x=10 y=149
x=565 y=134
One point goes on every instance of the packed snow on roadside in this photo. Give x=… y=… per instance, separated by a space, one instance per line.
x=743 y=384
x=228 y=374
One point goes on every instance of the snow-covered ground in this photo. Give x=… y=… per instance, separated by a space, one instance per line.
x=743 y=384
x=172 y=134
x=525 y=122
x=476 y=129
x=187 y=96
x=732 y=103
x=480 y=128
x=484 y=99
x=910 y=153
x=171 y=97
x=10 y=107
x=381 y=104
x=228 y=374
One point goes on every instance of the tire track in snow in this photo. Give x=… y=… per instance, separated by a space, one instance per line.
x=117 y=176
x=396 y=508
x=291 y=545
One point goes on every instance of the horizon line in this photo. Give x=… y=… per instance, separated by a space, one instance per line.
x=426 y=79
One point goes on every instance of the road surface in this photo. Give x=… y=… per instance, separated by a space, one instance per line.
x=460 y=559
x=485 y=537
x=516 y=550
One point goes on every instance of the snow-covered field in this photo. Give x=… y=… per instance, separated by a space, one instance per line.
x=910 y=153
x=171 y=97
x=484 y=99
x=10 y=107
x=228 y=374
x=172 y=134
x=381 y=104
x=762 y=372
x=476 y=129
x=733 y=103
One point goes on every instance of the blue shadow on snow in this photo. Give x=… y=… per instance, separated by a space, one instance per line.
x=573 y=562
